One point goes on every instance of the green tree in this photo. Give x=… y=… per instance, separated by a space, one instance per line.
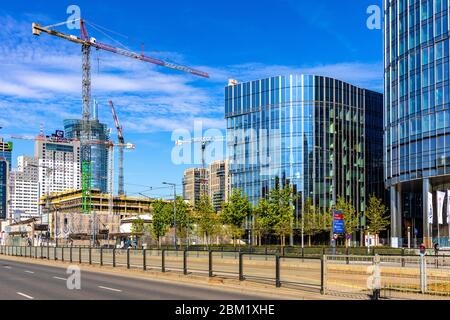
x=326 y=220
x=376 y=213
x=264 y=220
x=160 y=220
x=234 y=212
x=137 y=226
x=184 y=224
x=276 y=214
x=282 y=203
x=350 y=215
x=310 y=220
x=206 y=218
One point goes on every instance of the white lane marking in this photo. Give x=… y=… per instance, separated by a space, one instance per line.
x=24 y=295
x=112 y=289
x=7 y=267
x=60 y=278
x=27 y=271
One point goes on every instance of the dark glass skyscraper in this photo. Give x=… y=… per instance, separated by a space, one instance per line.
x=99 y=152
x=5 y=168
x=417 y=115
x=308 y=131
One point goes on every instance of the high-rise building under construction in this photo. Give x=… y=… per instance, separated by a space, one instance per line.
x=195 y=184
x=99 y=151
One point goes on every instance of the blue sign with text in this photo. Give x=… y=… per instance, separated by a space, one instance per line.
x=338 y=222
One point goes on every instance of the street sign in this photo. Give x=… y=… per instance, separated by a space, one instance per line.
x=422 y=249
x=338 y=222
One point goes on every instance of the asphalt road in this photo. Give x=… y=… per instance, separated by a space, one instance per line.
x=27 y=281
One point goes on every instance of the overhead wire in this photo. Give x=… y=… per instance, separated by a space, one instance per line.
x=111 y=38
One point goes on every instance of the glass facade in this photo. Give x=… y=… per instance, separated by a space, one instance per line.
x=307 y=131
x=5 y=168
x=417 y=113
x=3 y=188
x=99 y=152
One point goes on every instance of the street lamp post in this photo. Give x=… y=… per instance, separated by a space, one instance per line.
x=409 y=237
x=296 y=178
x=333 y=182
x=56 y=224
x=174 y=212
x=303 y=230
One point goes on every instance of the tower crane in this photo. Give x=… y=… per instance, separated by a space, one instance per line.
x=87 y=43
x=121 y=139
x=111 y=145
x=205 y=141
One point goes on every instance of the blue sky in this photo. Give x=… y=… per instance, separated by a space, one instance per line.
x=40 y=77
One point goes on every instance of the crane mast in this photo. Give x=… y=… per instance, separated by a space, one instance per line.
x=205 y=141
x=121 y=140
x=86 y=167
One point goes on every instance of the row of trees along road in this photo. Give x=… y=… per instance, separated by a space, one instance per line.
x=272 y=216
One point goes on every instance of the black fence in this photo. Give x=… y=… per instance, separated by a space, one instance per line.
x=270 y=267
x=304 y=269
x=297 y=251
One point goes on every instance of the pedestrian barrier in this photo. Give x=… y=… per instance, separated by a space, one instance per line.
x=405 y=274
x=198 y=262
x=325 y=273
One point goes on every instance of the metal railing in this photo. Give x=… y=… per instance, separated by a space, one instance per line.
x=324 y=273
x=399 y=276
x=259 y=267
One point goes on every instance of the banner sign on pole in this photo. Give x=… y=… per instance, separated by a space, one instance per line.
x=440 y=206
x=448 y=207
x=430 y=208
x=338 y=222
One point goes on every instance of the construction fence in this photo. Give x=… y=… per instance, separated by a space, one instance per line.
x=349 y=276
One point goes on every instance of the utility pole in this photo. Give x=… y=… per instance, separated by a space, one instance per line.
x=56 y=224
x=174 y=212
x=409 y=237
x=303 y=230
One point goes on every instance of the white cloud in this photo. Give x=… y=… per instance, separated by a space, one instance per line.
x=40 y=82
x=366 y=75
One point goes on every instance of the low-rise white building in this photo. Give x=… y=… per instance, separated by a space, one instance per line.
x=127 y=223
x=24 y=189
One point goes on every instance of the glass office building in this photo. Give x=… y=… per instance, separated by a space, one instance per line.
x=99 y=152
x=5 y=168
x=307 y=131
x=417 y=116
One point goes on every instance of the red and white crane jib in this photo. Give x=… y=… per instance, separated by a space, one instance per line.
x=85 y=40
x=117 y=123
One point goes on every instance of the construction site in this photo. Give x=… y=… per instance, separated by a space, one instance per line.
x=73 y=170
x=68 y=224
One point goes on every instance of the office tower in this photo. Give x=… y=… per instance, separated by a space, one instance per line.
x=195 y=184
x=24 y=188
x=5 y=168
x=58 y=164
x=416 y=118
x=306 y=131
x=218 y=183
x=99 y=151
